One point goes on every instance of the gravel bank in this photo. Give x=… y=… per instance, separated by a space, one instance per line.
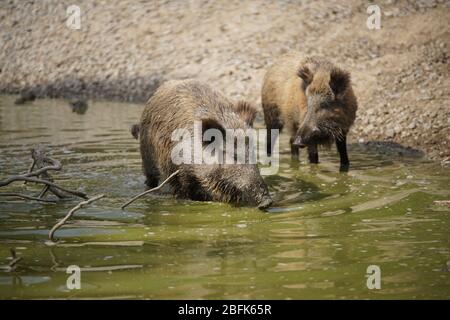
x=124 y=49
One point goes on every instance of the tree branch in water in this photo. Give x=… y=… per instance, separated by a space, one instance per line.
x=14 y=260
x=56 y=165
x=30 y=169
x=43 y=164
x=24 y=196
x=70 y=214
x=51 y=184
x=150 y=190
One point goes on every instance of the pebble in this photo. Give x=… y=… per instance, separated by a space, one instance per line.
x=390 y=133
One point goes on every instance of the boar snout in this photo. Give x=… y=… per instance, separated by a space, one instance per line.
x=306 y=136
x=241 y=184
x=265 y=203
x=298 y=142
x=255 y=192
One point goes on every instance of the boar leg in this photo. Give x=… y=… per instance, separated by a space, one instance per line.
x=272 y=118
x=149 y=166
x=269 y=143
x=295 y=150
x=271 y=138
x=151 y=172
x=151 y=181
x=313 y=155
x=341 y=145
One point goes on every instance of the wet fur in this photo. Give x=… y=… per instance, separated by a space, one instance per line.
x=291 y=81
x=177 y=104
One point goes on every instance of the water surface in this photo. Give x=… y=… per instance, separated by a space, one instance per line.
x=318 y=239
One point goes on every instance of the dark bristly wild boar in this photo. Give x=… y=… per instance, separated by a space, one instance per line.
x=178 y=104
x=314 y=100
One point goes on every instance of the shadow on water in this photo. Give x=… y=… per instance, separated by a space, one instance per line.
x=389 y=147
x=288 y=191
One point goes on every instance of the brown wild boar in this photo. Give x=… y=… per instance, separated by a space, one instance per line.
x=176 y=105
x=313 y=99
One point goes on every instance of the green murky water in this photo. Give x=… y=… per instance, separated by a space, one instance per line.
x=317 y=241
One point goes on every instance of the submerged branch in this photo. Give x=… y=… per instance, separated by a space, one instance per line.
x=42 y=161
x=24 y=196
x=70 y=214
x=30 y=169
x=56 y=166
x=15 y=259
x=150 y=190
x=43 y=164
x=51 y=184
x=43 y=191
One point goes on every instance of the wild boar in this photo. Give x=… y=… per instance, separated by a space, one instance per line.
x=314 y=99
x=178 y=104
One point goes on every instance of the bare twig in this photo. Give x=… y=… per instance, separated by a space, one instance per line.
x=43 y=164
x=43 y=191
x=30 y=169
x=44 y=161
x=36 y=173
x=70 y=214
x=54 y=260
x=130 y=243
x=15 y=259
x=51 y=184
x=150 y=190
x=24 y=196
x=104 y=268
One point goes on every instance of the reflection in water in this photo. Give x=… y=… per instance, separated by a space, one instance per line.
x=79 y=106
x=317 y=240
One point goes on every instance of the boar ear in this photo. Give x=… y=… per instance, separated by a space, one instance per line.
x=135 y=128
x=246 y=111
x=339 y=81
x=210 y=123
x=305 y=74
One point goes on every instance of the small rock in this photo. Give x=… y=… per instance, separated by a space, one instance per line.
x=390 y=133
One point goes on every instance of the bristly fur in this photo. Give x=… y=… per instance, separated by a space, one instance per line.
x=303 y=94
x=333 y=132
x=178 y=105
x=246 y=111
x=305 y=74
x=310 y=66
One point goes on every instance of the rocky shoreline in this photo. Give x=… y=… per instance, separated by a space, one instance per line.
x=124 y=50
x=135 y=90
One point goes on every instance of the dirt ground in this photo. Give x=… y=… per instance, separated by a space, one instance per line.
x=124 y=49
